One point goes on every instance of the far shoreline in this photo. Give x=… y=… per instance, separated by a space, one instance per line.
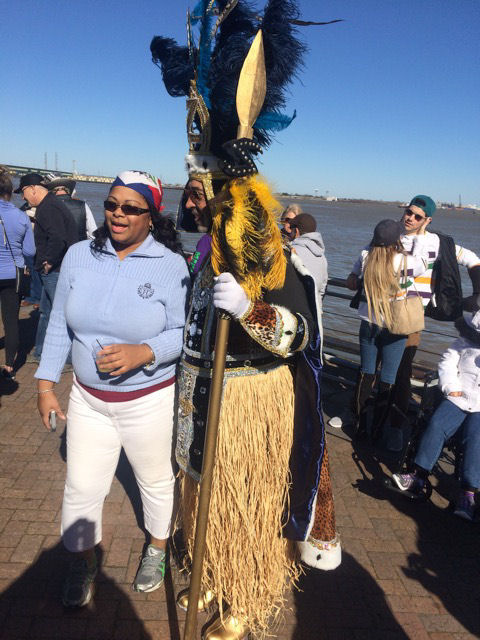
x=17 y=171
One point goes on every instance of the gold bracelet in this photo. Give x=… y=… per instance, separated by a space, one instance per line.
x=45 y=391
x=152 y=361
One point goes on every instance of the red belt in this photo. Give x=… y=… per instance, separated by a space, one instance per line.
x=125 y=396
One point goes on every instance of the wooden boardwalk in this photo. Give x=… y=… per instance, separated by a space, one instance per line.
x=408 y=571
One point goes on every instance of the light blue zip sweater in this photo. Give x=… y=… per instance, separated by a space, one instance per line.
x=141 y=298
x=18 y=229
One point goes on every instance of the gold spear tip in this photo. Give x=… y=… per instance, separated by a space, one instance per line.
x=252 y=87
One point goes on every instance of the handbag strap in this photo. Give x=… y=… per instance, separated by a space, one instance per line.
x=8 y=241
x=398 y=273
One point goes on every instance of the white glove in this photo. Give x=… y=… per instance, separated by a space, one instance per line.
x=229 y=295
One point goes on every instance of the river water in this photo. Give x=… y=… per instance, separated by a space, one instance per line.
x=346 y=228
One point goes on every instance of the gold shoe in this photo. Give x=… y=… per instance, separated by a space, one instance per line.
x=232 y=629
x=204 y=601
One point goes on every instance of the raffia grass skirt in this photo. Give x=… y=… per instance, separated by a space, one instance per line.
x=247 y=562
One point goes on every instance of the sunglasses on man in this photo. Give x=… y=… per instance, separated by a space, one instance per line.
x=127 y=209
x=195 y=195
x=417 y=216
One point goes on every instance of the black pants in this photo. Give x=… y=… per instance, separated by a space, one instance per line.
x=10 y=303
x=402 y=391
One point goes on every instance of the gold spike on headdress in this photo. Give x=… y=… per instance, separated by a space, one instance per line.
x=246 y=239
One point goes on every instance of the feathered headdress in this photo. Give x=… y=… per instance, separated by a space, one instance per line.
x=246 y=239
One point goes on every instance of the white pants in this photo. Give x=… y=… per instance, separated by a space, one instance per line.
x=96 y=432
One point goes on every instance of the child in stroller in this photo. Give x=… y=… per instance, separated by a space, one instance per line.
x=459 y=380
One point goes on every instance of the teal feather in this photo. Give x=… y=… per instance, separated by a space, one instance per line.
x=204 y=12
x=273 y=121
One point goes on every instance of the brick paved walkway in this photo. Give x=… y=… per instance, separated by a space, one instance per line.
x=408 y=571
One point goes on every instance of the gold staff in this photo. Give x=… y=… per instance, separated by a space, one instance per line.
x=252 y=86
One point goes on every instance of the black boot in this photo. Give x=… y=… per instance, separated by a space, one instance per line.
x=381 y=409
x=363 y=391
x=402 y=392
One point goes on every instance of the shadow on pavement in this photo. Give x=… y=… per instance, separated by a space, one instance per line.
x=344 y=603
x=31 y=607
x=27 y=329
x=7 y=387
x=446 y=561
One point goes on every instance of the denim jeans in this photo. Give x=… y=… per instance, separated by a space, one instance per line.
x=35 y=284
x=374 y=342
x=445 y=422
x=49 y=281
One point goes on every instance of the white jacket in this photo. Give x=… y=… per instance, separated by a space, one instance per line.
x=423 y=283
x=459 y=370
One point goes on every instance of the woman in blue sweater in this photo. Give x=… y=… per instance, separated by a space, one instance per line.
x=16 y=245
x=120 y=307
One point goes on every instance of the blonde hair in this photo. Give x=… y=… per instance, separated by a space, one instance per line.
x=381 y=282
x=292 y=208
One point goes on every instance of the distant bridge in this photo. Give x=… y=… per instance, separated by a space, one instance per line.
x=21 y=171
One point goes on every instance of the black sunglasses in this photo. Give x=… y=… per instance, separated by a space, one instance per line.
x=417 y=216
x=127 y=209
x=195 y=195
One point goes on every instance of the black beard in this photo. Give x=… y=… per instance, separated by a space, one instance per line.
x=201 y=226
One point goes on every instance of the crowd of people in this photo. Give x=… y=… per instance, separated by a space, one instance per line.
x=397 y=265
x=459 y=377
x=35 y=240
x=152 y=328
x=143 y=355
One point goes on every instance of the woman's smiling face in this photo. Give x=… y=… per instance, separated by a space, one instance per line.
x=127 y=230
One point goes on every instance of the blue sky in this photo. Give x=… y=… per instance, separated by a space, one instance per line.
x=388 y=104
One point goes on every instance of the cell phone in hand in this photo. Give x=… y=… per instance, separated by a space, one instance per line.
x=52 y=419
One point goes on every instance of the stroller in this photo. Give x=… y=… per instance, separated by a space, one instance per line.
x=430 y=398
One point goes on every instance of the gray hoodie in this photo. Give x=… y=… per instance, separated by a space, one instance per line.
x=311 y=251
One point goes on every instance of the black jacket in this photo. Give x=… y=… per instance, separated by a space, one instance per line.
x=54 y=231
x=79 y=213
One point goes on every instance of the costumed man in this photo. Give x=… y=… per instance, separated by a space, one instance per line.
x=194 y=215
x=271 y=483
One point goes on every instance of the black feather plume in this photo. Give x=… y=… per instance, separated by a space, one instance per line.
x=232 y=44
x=175 y=63
x=284 y=52
x=283 y=58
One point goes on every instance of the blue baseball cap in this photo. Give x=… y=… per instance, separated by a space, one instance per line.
x=425 y=203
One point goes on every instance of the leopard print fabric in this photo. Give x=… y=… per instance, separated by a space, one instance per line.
x=264 y=324
x=324 y=523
